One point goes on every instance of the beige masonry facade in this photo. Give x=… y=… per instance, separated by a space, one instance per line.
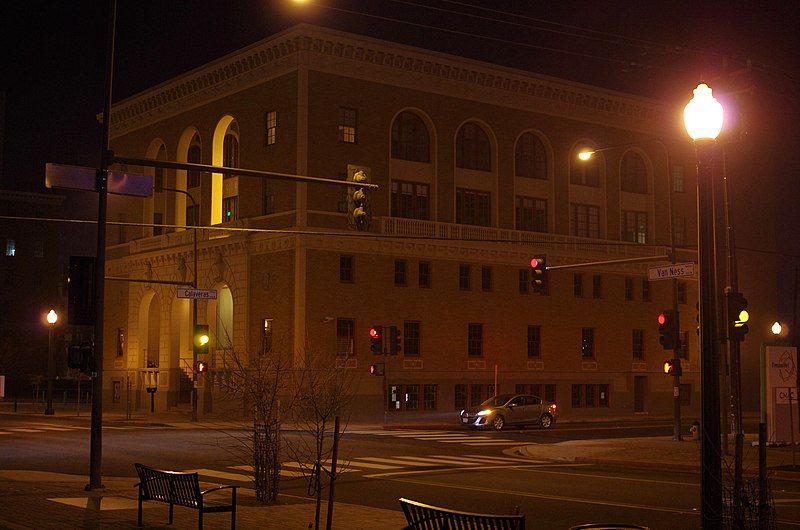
x=456 y=289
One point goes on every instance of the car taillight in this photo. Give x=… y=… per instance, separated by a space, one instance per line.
x=553 y=406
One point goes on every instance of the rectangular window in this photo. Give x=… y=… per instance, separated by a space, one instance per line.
x=679 y=226
x=230 y=208
x=550 y=393
x=412 y=397
x=460 y=398
x=411 y=339
x=684 y=353
x=576 y=396
x=424 y=278
x=638 y=344
x=158 y=219
x=345 y=332
x=193 y=215
x=270 y=127
x=634 y=227
x=590 y=393
x=399 y=272
x=120 y=342
x=410 y=200
x=346 y=270
x=645 y=290
x=266 y=335
x=475 y=340
x=602 y=395
x=395 y=393
x=628 y=288
x=587 y=343
x=472 y=207
x=475 y=395
x=585 y=220
x=534 y=341
x=429 y=397
x=677 y=179
x=577 y=285
x=464 y=277
x=523 y=280
x=531 y=214
x=597 y=286
x=681 y=293
x=348 y=119
x=38 y=249
x=536 y=390
x=486 y=278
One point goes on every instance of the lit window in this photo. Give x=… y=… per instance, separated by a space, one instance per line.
x=11 y=247
x=348 y=119
x=271 y=126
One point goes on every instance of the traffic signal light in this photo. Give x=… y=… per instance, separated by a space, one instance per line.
x=376 y=339
x=673 y=367
x=377 y=369
x=539 y=274
x=737 y=316
x=81 y=356
x=395 y=340
x=201 y=338
x=357 y=203
x=668 y=329
x=201 y=367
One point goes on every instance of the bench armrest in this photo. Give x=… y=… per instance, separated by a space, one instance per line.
x=217 y=488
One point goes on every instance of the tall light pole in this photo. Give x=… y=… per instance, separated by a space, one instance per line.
x=703 y=119
x=52 y=318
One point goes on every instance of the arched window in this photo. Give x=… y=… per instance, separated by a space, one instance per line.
x=410 y=140
x=194 y=156
x=230 y=147
x=472 y=148
x=530 y=157
x=634 y=173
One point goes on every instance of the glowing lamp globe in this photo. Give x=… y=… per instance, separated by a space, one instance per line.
x=703 y=115
x=52 y=317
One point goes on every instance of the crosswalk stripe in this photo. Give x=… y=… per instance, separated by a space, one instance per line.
x=20 y=429
x=462 y=440
x=57 y=429
x=499 y=458
x=439 y=460
x=3 y=432
x=371 y=465
x=499 y=442
x=396 y=461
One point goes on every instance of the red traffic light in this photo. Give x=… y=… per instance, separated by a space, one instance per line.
x=662 y=318
x=534 y=262
x=375 y=332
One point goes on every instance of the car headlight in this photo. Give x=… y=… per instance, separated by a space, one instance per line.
x=484 y=412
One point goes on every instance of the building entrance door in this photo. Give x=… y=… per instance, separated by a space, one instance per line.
x=639 y=388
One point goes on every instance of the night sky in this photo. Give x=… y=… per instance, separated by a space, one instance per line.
x=53 y=57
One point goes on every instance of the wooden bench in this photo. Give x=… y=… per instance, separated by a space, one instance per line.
x=425 y=517
x=183 y=489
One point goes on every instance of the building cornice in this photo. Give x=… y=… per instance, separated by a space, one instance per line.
x=383 y=62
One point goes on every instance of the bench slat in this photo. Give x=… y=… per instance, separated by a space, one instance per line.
x=426 y=517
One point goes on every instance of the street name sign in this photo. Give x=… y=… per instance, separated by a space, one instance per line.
x=678 y=270
x=197 y=294
x=84 y=178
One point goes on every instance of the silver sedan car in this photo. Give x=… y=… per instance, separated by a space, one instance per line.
x=510 y=409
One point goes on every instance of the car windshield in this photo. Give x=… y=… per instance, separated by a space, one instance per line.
x=497 y=401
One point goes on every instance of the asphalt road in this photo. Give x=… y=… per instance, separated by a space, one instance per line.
x=471 y=471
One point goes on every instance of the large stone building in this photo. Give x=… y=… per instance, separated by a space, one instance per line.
x=477 y=171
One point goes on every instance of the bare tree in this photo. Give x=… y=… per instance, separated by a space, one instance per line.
x=324 y=389
x=261 y=382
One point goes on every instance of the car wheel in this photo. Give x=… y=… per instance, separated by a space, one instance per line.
x=498 y=422
x=546 y=421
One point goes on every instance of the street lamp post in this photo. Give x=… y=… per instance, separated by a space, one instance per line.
x=52 y=318
x=703 y=119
